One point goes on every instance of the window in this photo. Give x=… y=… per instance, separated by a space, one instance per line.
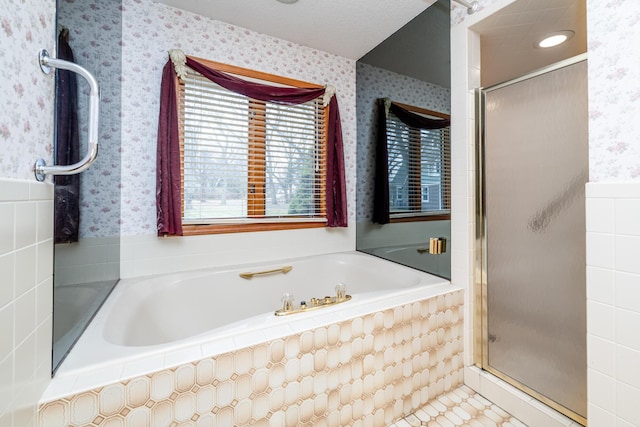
x=425 y=194
x=247 y=164
x=419 y=168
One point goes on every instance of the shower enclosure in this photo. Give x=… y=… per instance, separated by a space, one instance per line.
x=533 y=165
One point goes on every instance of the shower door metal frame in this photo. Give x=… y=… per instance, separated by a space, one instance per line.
x=480 y=323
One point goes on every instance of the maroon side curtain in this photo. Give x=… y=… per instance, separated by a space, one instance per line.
x=168 y=156
x=381 y=180
x=168 y=186
x=335 y=186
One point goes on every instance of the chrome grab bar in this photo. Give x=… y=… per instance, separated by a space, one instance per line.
x=283 y=270
x=471 y=7
x=41 y=169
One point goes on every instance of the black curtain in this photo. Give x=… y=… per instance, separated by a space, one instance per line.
x=381 y=184
x=67 y=188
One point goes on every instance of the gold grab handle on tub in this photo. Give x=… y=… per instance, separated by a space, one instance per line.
x=283 y=270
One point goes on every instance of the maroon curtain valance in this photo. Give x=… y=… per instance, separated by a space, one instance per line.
x=168 y=183
x=416 y=120
x=381 y=181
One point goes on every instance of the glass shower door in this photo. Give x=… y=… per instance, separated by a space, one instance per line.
x=535 y=168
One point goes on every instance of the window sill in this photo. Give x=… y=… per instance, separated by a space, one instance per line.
x=441 y=217
x=204 y=229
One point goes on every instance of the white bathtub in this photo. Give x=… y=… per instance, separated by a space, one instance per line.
x=154 y=323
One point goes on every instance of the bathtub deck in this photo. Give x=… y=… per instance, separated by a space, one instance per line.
x=460 y=407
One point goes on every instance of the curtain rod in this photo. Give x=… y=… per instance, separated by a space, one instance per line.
x=471 y=7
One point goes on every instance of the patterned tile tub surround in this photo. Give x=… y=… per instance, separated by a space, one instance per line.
x=367 y=371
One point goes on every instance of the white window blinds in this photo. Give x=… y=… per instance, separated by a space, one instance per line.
x=250 y=160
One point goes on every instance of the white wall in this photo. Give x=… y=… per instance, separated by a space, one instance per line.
x=26 y=210
x=26 y=290
x=150 y=30
x=613 y=303
x=613 y=244
x=613 y=209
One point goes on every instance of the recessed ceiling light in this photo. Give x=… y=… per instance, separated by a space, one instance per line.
x=554 y=39
x=287 y=1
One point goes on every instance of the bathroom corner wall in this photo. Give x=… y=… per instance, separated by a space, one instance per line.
x=613 y=209
x=614 y=151
x=613 y=303
x=26 y=209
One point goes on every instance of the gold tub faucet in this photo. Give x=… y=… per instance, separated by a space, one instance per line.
x=288 y=306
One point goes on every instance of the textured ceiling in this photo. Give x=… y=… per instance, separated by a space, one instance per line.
x=508 y=37
x=349 y=28
x=352 y=28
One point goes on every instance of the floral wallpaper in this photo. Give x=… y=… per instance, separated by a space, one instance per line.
x=26 y=93
x=95 y=30
x=614 y=86
x=459 y=12
x=374 y=83
x=149 y=31
x=614 y=90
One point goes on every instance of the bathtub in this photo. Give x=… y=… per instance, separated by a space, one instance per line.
x=162 y=324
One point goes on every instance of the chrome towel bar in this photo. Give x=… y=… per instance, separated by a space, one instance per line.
x=41 y=169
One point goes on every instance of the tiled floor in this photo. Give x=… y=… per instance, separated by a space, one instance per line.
x=460 y=407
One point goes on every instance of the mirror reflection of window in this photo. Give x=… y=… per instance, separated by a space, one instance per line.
x=419 y=167
x=411 y=67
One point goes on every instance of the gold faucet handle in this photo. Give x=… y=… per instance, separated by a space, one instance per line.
x=437 y=245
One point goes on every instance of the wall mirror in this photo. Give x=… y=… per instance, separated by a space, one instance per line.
x=87 y=206
x=409 y=73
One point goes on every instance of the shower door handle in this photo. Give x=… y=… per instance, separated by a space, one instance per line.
x=41 y=169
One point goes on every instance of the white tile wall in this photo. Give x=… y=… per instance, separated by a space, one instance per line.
x=147 y=255
x=26 y=275
x=613 y=307
x=463 y=172
x=92 y=259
